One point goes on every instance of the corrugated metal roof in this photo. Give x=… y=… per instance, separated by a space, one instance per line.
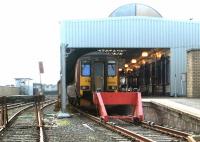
x=193 y=49
x=138 y=32
x=130 y=32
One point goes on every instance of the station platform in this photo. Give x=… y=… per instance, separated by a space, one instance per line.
x=176 y=112
x=186 y=105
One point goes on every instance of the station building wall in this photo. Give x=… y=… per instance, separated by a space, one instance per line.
x=8 y=91
x=138 y=32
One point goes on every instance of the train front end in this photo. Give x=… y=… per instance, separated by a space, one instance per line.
x=96 y=74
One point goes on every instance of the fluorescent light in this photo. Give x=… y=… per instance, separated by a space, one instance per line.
x=120 y=69
x=144 y=54
x=126 y=65
x=158 y=55
x=133 y=61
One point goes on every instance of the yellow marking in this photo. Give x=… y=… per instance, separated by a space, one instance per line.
x=84 y=81
x=112 y=81
x=62 y=122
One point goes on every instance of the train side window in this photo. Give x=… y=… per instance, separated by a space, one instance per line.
x=111 y=69
x=85 y=69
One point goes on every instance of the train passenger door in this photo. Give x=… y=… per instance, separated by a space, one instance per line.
x=98 y=76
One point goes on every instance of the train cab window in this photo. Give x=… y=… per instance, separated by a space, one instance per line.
x=85 y=69
x=111 y=68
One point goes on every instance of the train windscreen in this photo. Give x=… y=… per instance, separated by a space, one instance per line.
x=111 y=69
x=85 y=69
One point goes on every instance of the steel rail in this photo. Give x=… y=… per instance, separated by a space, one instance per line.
x=11 y=119
x=18 y=105
x=132 y=135
x=13 y=106
x=51 y=102
x=118 y=129
x=9 y=107
x=42 y=134
x=169 y=131
x=41 y=126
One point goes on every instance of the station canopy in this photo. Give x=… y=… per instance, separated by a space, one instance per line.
x=132 y=9
x=124 y=53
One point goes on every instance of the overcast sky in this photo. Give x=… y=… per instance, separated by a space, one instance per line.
x=29 y=30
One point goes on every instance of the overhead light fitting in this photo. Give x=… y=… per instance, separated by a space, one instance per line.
x=144 y=54
x=158 y=55
x=120 y=69
x=133 y=61
x=126 y=65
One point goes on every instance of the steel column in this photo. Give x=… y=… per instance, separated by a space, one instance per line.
x=63 y=79
x=64 y=98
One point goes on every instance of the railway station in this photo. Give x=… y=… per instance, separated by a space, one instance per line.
x=133 y=76
x=165 y=44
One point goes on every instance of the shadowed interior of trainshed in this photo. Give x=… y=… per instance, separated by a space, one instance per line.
x=139 y=69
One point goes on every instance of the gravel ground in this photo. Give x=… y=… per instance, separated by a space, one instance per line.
x=76 y=128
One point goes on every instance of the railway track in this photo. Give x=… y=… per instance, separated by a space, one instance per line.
x=77 y=128
x=23 y=125
x=80 y=128
x=145 y=132
x=12 y=109
x=23 y=129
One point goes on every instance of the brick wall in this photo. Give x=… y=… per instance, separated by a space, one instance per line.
x=193 y=73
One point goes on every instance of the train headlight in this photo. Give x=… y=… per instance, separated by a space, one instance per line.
x=85 y=87
x=112 y=87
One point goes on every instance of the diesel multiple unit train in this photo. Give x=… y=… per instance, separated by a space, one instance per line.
x=97 y=71
x=94 y=71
